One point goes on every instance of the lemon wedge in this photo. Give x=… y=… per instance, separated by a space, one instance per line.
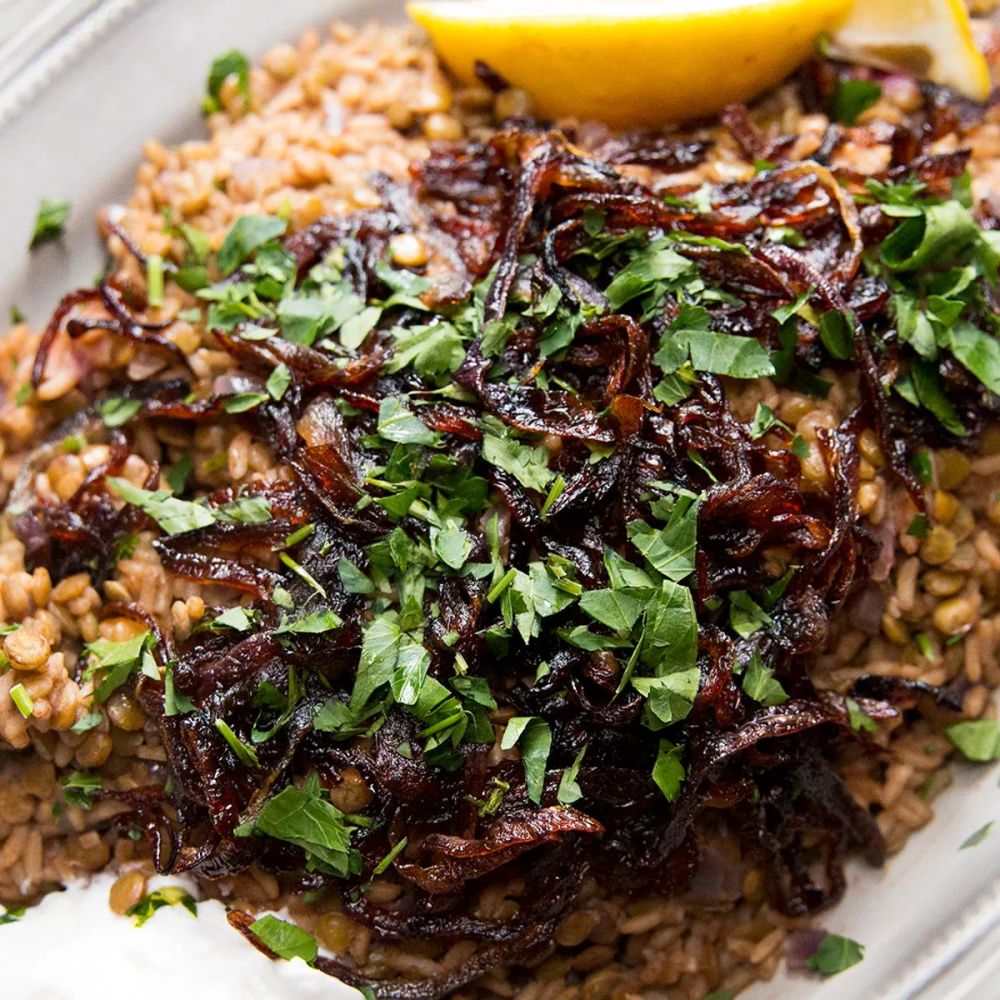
x=630 y=62
x=931 y=38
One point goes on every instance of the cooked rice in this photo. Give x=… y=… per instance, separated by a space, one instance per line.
x=325 y=115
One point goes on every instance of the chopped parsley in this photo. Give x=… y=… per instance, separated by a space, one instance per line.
x=244 y=401
x=386 y=862
x=244 y=753
x=974 y=839
x=50 y=221
x=528 y=464
x=835 y=954
x=11 y=914
x=305 y=817
x=763 y=420
x=170 y=895
x=86 y=722
x=668 y=770
x=534 y=739
x=232 y=63
x=285 y=939
x=569 y=790
x=116 y=412
x=858 y=719
x=853 y=97
x=22 y=700
x=313 y=624
x=249 y=234
x=278 y=382
x=976 y=740
x=79 y=788
x=398 y=423
x=179 y=516
x=115 y=662
x=759 y=683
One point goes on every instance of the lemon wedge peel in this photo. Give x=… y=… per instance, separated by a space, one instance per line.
x=633 y=62
x=932 y=38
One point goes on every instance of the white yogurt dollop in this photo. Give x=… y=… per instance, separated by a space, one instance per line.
x=72 y=946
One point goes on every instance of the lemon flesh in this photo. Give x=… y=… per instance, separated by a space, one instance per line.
x=635 y=62
x=931 y=38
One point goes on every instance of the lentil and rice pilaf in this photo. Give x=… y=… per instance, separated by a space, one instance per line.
x=331 y=128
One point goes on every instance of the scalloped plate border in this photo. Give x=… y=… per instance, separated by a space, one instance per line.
x=52 y=39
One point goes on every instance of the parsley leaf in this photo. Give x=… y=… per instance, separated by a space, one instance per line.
x=528 y=465
x=285 y=939
x=860 y=721
x=179 y=473
x=174 y=701
x=304 y=817
x=690 y=338
x=835 y=954
x=236 y=618
x=243 y=401
x=671 y=695
x=178 y=516
x=534 y=738
x=569 y=790
x=656 y=262
x=529 y=597
x=245 y=753
x=977 y=739
x=353 y=579
x=978 y=837
x=79 y=788
x=231 y=63
x=433 y=351
x=278 y=381
x=746 y=616
x=50 y=220
x=618 y=609
x=763 y=420
x=398 y=423
x=117 y=660
x=244 y=510
x=836 y=331
x=851 y=98
x=249 y=233
x=116 y=412
x=670 y=550
x=390 y=655
x=759 y=683
x=931 y=234
x=315 y=624
x=977 y=351
x=335 y=717
x=668 y=770
x=87 y=722
x=169 y=895
x=670 y=638
x=451 y=544
x=172 y=515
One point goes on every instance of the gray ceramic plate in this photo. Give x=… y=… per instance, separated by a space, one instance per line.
x=83 y=85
